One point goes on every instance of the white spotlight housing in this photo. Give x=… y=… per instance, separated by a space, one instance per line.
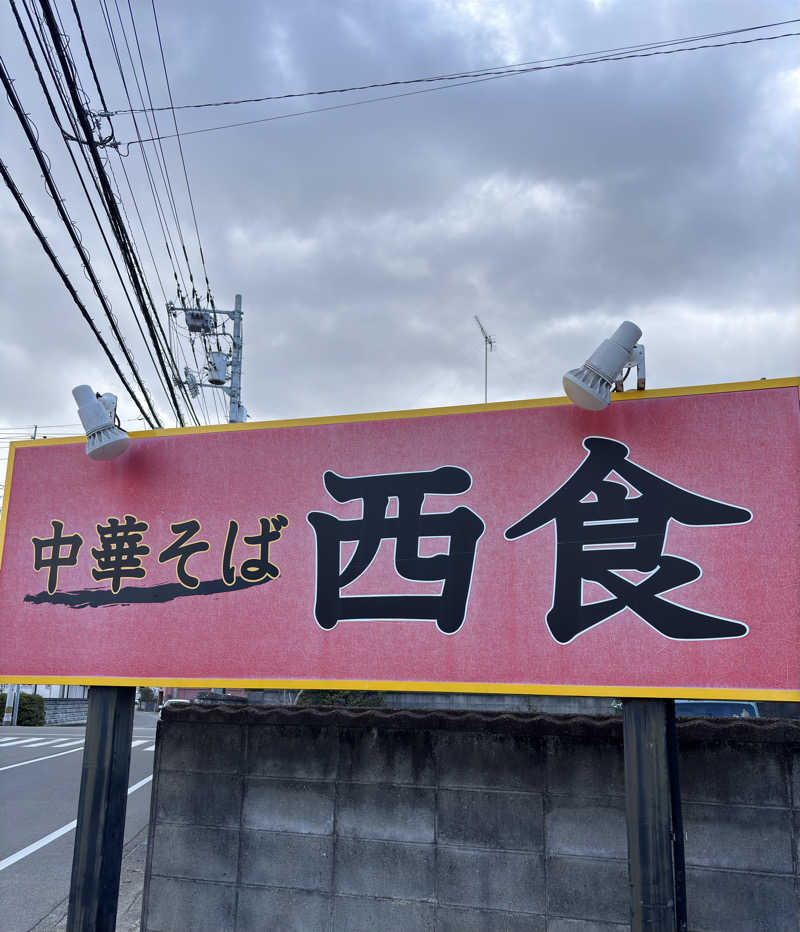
x=104 y=440
x=590 y=385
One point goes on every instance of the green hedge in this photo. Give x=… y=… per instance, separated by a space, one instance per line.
x=348 y=697
x=31 y=709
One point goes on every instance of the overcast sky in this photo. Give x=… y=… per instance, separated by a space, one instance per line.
x=553 y=205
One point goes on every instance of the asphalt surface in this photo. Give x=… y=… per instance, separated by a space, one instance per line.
x=40 y=772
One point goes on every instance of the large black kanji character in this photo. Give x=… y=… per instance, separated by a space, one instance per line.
x=120 y=547
x=256 y=569
x=55 y=558
x=601 y=531
x=462 y=527
x=181 y=550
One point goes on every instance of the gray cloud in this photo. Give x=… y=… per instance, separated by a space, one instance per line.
x=364 y=240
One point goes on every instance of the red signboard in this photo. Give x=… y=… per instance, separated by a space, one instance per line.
x=650 y=549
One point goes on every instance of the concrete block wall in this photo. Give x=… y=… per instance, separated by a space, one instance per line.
x=501 y=702
x=65 y=711
x=345 y=820
x=480 y=702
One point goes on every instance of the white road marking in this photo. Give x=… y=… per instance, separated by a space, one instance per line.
x=16 y=735
x=30 y=849
x=63 y=744
x=36 y=760
x=41 y=744
x=20 y=741
x=24 y=852
x=139 y=785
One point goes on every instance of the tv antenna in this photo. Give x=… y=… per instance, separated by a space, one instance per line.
x=488 y=346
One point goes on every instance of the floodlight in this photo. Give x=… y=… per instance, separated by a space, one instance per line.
x=590 y=385
x=104 y=439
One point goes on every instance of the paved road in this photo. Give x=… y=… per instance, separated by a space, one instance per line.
x=40 y=772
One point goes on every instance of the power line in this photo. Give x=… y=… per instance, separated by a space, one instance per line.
x=111 y=205
x=203 y=401
x=162 y=161
x=121 y=202
x=99 y=88
x=43 y=426
x=160 y=211
x=481 y=80
x=128 y=247
x=69 y=286
x=53 y=190
x=50 y=427
x=124 y=240
x=162 y=219
x=209 y=296
x=220 y=415
x=88 y=56
x=38 y=29
x=65 y=136
x=173 y=333
x=496 y=71
x=167 y=345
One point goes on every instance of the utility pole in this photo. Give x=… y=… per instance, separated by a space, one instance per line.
x=12 y=705
x=203 y=321
x=238 y=414
x=100 y=826
x=488 y=346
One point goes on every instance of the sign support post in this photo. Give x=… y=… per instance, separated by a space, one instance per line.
x=655 y=830
x=679 y=853
x=99 y=836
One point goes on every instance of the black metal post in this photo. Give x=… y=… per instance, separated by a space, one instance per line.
x=649 y=782
x=677 y=819
x=97 y=860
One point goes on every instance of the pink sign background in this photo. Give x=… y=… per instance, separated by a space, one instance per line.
x=735 y=446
